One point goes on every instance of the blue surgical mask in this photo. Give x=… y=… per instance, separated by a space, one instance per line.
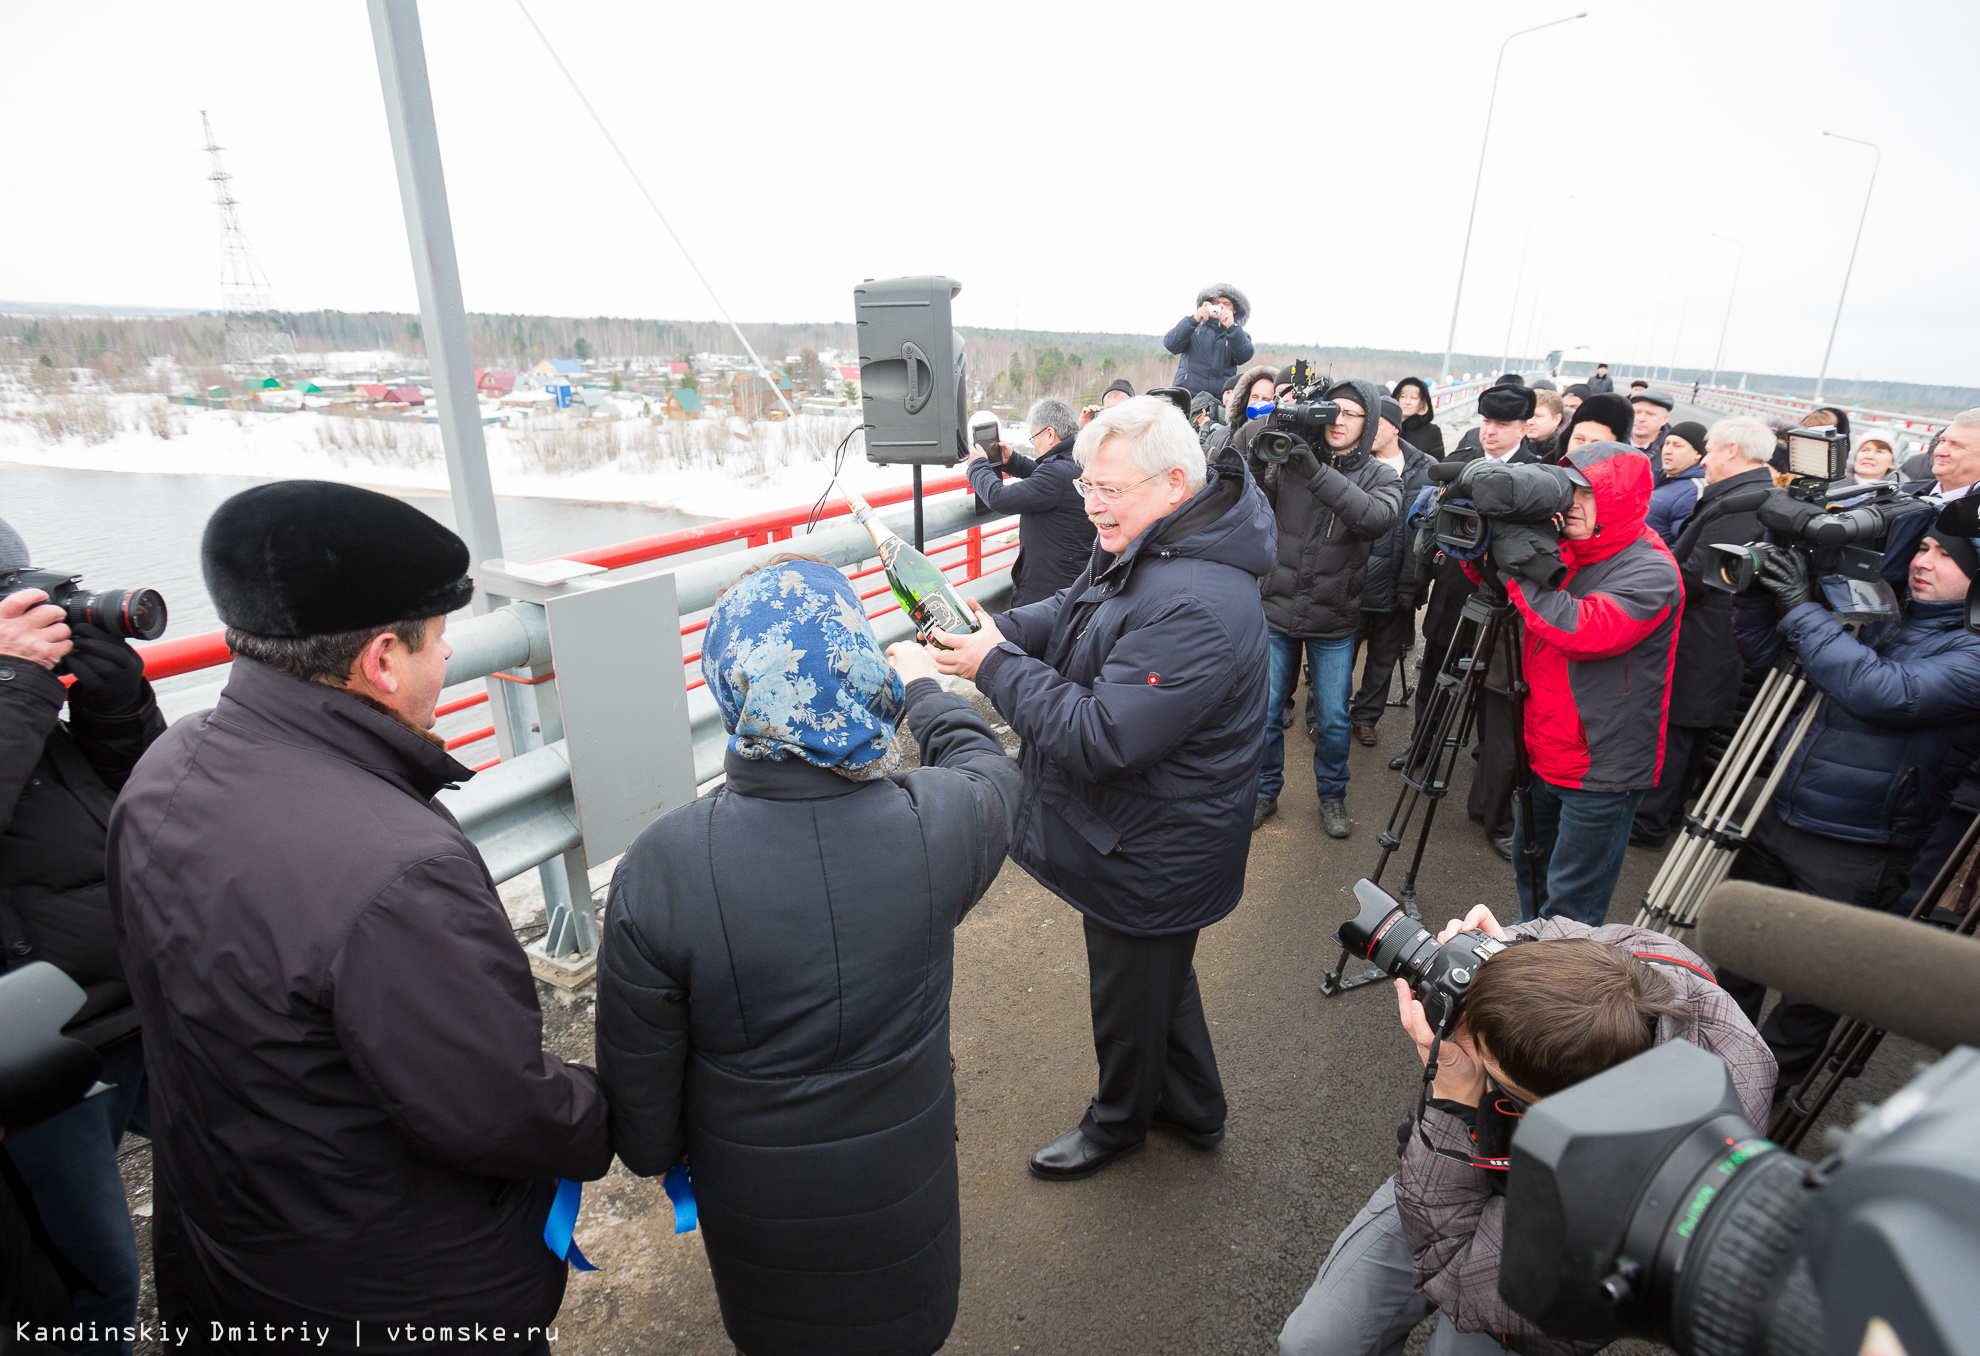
x=1253 y=411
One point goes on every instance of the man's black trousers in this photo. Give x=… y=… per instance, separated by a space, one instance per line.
x=1385 y=637
x=1862 y=874
x=1685 y=747
x=1149 y=1033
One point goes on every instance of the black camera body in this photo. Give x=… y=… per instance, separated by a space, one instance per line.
x=1641 y=1202
x=1384 y=934
x=127 y=614
x=1301 y=417
x=1840 y=536
x=1486 y=502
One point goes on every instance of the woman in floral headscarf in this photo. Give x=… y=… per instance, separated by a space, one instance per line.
x=774 y=980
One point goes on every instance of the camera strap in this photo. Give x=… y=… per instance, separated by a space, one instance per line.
x=1491 y=1164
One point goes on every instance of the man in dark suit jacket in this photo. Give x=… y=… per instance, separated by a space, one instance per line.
x=1503 y=412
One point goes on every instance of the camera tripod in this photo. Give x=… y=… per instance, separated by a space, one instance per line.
x=1732 y=801
x=1951 y=901
x=1487 y=629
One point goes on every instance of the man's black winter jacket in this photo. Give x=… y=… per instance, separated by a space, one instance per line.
x=57 y=784
x=1140 y=696
x=1054 y=534
x=1328 y=524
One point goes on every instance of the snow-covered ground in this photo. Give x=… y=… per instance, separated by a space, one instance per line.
x=715 y=468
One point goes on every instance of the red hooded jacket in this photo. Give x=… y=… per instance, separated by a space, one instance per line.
x=1598 y=651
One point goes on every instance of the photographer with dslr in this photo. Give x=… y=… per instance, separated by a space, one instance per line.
x=1553 y=1002
x=1211 y=341
x=1897 y=729
x=58 y=781
x=1331 y=509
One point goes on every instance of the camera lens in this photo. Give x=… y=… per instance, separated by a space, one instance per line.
x=1384 y=934
x=128 y=614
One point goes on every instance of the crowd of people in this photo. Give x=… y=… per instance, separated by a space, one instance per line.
x=304 y=990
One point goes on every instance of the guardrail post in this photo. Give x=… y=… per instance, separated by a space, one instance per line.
x=973 y=552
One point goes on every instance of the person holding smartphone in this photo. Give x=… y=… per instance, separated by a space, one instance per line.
x=1211 y=341
x=1055 y=537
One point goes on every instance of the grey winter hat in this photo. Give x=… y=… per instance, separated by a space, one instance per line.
x=1119 y=384
x=1542 y=384
x=1658 y=398
x=13 y=551
x=1392 y=412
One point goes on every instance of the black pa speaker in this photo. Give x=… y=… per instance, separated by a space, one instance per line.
x=912 y=374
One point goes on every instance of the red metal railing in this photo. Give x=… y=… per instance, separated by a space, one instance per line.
x=189 y=654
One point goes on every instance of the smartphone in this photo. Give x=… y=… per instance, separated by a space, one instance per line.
x=985 y=436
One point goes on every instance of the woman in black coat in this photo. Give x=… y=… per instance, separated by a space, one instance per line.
x=1419 y=428
x=774 y=979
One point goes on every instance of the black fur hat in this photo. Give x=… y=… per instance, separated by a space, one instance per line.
x=1506 y=404
x=313 y=557
x=1609 y=410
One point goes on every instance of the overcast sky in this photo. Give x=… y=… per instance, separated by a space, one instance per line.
x=1077 y=166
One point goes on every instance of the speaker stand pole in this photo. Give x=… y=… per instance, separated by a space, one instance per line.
x=917 y=508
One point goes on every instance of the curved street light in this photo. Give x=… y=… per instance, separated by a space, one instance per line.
x=1450 y=341
x=1823 y=377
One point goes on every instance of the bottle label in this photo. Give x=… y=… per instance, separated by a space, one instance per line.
x=935 y=611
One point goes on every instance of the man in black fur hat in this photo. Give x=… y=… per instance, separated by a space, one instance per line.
x=353 y=1115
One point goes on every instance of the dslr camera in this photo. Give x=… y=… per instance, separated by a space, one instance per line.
x=127 y=614
x=1641 y=1202
x=1383 y=933
x=1840 y=533
x=1300 y=417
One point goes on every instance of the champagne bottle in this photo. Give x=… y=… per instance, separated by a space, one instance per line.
x=918 y=583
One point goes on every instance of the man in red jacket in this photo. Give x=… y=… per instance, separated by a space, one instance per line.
x=1597 y=654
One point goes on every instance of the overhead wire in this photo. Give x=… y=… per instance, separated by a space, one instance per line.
x=650 y=202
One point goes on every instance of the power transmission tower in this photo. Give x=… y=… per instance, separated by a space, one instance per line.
x=254 y=335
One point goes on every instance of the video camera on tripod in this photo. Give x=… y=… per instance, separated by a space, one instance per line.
x=1301 y=416
x=1841 y=534
x=1507 y=511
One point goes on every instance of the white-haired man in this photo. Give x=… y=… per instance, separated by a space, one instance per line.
x=1705 y=683
x=1139 y=693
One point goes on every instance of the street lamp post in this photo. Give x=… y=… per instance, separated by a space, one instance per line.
x=1519 y=278
x=1731 y=292
x=1450 y=341
x=1836 y=324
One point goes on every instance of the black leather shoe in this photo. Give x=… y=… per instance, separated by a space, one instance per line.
x=1396 y=763
x=1503 y=846
x=1202 y=1139
x=1072 y=1156
x=1654 y=842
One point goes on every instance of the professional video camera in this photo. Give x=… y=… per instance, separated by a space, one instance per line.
x=1300 y=415
x=1384 y=933
x=1641 y=1202
x=1507 y=511
x=128 y=614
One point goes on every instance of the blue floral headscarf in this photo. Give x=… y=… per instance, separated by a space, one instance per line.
x=792 y=662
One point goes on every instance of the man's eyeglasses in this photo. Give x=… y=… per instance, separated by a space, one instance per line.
x=1106 y=494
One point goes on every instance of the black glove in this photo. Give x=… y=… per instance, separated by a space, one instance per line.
x=1785 y=575
x=109 y=674
x=1301 y=462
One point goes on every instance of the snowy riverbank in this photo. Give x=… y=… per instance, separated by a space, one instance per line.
x=711 y=468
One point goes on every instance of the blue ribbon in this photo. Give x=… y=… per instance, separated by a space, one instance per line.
x=680 y=1190
x=558 y=1227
